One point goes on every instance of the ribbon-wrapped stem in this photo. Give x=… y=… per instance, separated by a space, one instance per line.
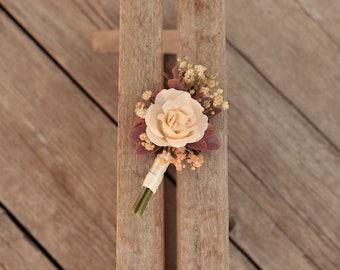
x=151 y=183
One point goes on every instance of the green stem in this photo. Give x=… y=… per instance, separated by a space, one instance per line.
x=142 y=201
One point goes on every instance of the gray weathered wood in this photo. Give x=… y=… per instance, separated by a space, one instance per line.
x=107 y=41
x=202 y=195
x=57 y=156
x=67 y=26
x=289 y=162
x=65 y=29
x=139 y=241
x=238 y=261
x=256 y=225
x=295 y=44
x=16 y=251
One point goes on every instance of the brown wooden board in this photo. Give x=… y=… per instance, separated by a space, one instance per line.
x=202 y=195
x=326 y=16
x=257 y=223
x=16 y=251
x=295 y=45
x=57 y=158
x=296 y=168
x=280 y=156
x=139 y=243
x=65 y=29
x=306 y=75
x=107 y=41
x=238 y=261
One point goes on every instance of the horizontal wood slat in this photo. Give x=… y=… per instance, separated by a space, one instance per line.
x=107 y=41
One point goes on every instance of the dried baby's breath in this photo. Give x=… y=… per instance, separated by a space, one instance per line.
x=147 y=95
x=146 y=143
x=140 y=109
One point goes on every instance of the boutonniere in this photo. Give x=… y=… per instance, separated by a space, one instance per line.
x=174 y=124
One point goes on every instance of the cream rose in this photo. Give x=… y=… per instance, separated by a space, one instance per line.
x=175 y=119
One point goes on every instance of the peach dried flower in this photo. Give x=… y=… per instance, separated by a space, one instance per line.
x=175 y=119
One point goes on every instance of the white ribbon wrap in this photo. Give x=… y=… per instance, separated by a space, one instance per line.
x=156 y=173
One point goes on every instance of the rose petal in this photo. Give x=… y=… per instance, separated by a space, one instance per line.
x=175 y=119
x=177 y=142
x=167 y=94
x=136 y=131
x=153 y=97
x=155 y=139
x=183 y=97
x=151 y=119
x=204 y=124
x=169 y=105
x=188 y=110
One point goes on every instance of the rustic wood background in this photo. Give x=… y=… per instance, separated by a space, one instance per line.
x=58 y=123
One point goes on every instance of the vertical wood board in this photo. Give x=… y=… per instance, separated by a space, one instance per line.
x=139 y=240
x=203 y=194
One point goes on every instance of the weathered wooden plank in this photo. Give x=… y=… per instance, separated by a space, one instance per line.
x=72 y=24
x=16 y=251
x=306 y=161
x=258 y=233
x=238 y=261
x=325 y=14
x=106 y=41
x=297 y=49
x=309 y=81
x=203 y=194
x=296 y=168
x=57 y=156
x=139 y=241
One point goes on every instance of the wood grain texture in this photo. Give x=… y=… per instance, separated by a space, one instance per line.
x=139 y=241
x=238 y=261
x=106 y=41
x=203 y=194
x=16 y=251
x=295 y=44
x=64 y=28
x=326 y=16
x=289 y=166
x=57 y=156
x=258 y=233
x=296 y=168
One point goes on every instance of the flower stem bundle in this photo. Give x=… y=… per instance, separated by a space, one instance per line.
x=142 y=201
x=151 y=183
